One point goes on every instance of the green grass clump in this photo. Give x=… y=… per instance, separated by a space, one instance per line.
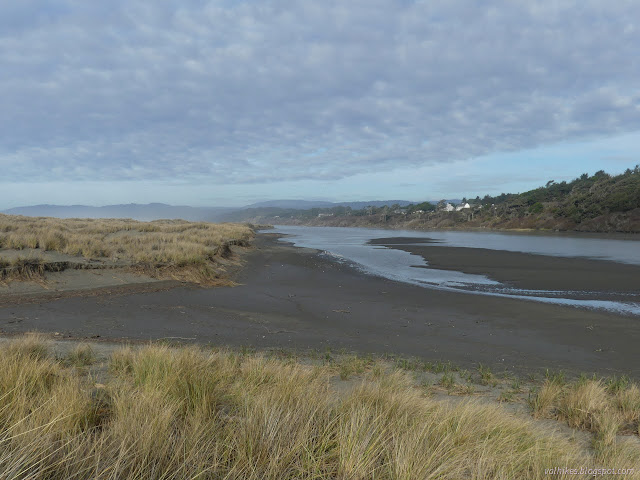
x=447 y=381
x=82 y=355
x=486 y=376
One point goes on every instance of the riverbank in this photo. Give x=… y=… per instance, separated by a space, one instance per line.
x=627 y=223
x=298 y=299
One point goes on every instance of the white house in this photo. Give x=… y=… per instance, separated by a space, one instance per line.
x=462 y=206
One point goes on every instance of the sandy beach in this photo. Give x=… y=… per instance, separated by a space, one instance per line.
x=295 y=298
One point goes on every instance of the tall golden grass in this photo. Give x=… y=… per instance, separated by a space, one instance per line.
x=605 y=408
x=164 y=248
x=162 y=413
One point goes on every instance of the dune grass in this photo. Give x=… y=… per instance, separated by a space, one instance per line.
x=178 y=413
x=172 y=249
x=605 y=408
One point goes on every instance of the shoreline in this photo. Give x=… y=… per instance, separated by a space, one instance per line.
x=631 y=236
x=526 y=271
x=294 y=298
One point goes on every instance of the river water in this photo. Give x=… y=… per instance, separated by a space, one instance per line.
x=351 y=245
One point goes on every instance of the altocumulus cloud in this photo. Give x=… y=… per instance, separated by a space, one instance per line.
x=255 y=92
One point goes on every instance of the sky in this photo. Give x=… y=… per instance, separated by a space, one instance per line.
x=225 y=103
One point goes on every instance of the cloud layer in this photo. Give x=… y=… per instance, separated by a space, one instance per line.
x=233 y=92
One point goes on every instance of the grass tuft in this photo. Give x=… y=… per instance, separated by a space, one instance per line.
x=82 y=355
x=486 y=376
x=189 y=413
x=607 y=409
x=168 y=249
x=33 y=345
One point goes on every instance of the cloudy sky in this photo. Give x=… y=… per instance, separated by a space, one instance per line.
x=228 y=102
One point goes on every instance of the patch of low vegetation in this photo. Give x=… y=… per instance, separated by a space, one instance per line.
x=168 y=249
x=351 y=365
x=448 y=381
x=162 y=412
x=486 y=376
x=82 y=355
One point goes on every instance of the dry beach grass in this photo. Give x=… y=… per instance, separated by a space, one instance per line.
x=170 y=249
x=605 y=408
x=157 y=412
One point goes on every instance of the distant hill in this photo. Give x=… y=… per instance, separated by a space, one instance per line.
x=295 y=204
x=596 y=203
x=275 y=209
x=590 y=203
x=146 y=212
x=599 y=203
x=158 y=211
x=307 y=204
x=273 y=214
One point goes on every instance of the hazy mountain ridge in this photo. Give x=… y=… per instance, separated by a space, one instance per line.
x=143 y=212
x=597 y=203
x=307 y=204
x=158 y=211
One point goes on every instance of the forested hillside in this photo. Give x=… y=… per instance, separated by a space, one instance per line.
x=585 y=198
x=596 y=203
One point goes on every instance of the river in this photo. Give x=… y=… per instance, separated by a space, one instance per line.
x=351 y=245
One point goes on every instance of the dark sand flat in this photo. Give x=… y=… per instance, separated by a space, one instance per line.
x=296 y=298
x=524 y=270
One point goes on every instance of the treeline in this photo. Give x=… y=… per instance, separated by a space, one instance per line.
x=598 y=203
x=586 y=197
x=275 y=213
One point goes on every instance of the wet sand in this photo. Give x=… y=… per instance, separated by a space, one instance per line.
x=524 y=270
x=297 y=299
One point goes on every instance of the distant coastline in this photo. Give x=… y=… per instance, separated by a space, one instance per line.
x=440 y=223
x=600 y=203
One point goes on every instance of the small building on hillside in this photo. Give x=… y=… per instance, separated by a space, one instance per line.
x=462 y=206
